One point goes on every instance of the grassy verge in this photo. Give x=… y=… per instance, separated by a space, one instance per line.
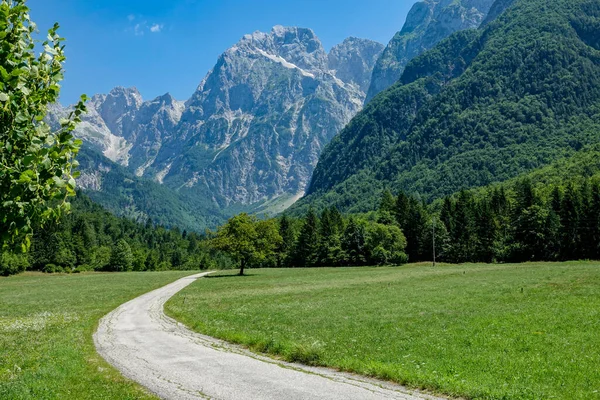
x=46 y=327
x=480 y=331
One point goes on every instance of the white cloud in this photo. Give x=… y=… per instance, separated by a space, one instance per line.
x=139 y=29
x=156 y=28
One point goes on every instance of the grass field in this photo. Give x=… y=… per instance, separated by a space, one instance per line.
x=480 y=331
x=46 y=327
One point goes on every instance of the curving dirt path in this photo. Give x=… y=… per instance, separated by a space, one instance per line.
x=176 y=363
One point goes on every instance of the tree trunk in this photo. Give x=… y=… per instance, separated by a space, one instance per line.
x=242 y=265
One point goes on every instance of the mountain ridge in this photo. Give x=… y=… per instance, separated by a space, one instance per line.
x=493 y=104
x=251 y=134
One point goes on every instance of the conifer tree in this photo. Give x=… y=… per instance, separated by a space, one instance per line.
x=354 y=243
x=122 y=257
x=330 y=248
x=288 y=238
x=569 y=220
x=306 y=253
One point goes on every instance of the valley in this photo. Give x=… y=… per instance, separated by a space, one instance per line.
x=252 y=133
x=307 y=213
x=468 y=331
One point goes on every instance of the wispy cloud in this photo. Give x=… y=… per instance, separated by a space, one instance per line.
x=139 y=30
x=139 y=27
x=156 y=28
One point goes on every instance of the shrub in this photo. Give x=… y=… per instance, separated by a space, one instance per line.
x=12 y=264
x=53 y=269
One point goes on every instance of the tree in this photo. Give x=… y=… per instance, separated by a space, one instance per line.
x=412 y=219
x=306 y=253
x=385 y=244
x=11 y=264
x=247 y=240
x=286 y=231
x=36 y=165
x=330 y=247
x=354 y=242
x=569 y=218
x=122 y=257
x=387 y=207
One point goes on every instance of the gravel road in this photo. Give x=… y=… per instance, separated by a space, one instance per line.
x=176 y=363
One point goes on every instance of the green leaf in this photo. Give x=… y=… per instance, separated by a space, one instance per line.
x=27 y=176
x=20 y=118
x=59 y=182
x=4 y=97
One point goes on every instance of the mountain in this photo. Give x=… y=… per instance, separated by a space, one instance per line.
x=118 y=190
x=254 y=129
x=482 y=106
x=250 y=136
x=427 y=23
x=123 y=127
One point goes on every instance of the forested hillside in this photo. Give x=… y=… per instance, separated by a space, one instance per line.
x=427 y=23
x=483 y=106
x=550 y=214
x=140 y=199
x=92 y=239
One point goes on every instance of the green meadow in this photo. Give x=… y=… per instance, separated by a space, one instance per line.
x=528 y=331
x=46 y=328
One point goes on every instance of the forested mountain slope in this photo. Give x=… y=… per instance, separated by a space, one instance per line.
x=427 y=23
x=121 y=192
x=481 y=107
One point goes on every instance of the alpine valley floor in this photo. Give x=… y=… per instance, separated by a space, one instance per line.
x=527 y=331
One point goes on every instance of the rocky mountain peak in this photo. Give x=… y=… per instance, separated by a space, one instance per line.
x=297 y=46
x=252 y=132
x=353 y=60
x=162 y=106
x=117 y=104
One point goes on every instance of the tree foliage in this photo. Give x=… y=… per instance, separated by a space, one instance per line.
x=248 y=240
x=36 y=165
x=92 y=239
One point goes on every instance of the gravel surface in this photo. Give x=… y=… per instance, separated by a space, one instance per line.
x=176 y=363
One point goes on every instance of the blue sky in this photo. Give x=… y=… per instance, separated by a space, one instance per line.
x=164 y=46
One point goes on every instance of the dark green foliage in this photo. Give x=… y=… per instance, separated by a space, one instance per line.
x=249 y=241
x=545 y=223
x=306 y=251
x=411 y=216
x=330 y=245
x=93 y=239
x=122 y=258
x=483 y=106
x=354 y=242
x=12 y=264
x=332 y=241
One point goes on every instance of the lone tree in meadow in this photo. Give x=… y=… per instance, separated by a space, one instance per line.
x=248 y=240
x=36 y=164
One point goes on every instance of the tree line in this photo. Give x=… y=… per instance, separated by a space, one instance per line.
x=92 y=239
x=328 y=239
x=508 y=223
x=554 y=223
